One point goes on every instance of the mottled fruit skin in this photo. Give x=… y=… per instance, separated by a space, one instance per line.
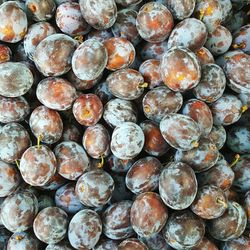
x=99 y=14
x=85 y=229
x=220 y=175
x=180 y=69
x=4 y=237
x=242 y=242
x=200 y=158
x=125 y=26
x=106 y=245
x=89 y=60
x=114 y=228
x=132 y=243
x=184 y=230
x=121 y=53
x=94 y=188
x=5 y=53
x=212 y=83
x=234 y=216
x=23 y=241
x=9 y=178
x=161 y=101
x=143 y=176
x=96 y=141
x=127 y=141
x=208 y=203
x=13 y=109
x=14 y=22
x=62 y=245
x=148 y=214
x=70 y=21
x=226 y=110
x=206 y=244
x=219 y=41
x=72 y=160
x=126 y=84
x=117 y=165
x=50 y=225
x=54 y=183
x=47 y=124
x=190 y=33
x=242 y=174
x=100 y=35
x=16 y=79
x=186 y=128
x=38 y=165
x=18 y=211
x=56 y=93
x=65 y=198
x=155 y=144
x=241 y=39
x=40 y=10
x=35 y=34
x=117 y=111
x=178 y=186
x=154 y=22
x=218 y=136
x=199 y=112
x=247 y=207
x=204 y=56
x=236 y=68
x=53 y=54
x=14 y=140
x=238 y=139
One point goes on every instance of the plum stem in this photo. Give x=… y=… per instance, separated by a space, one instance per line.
x=147 y=109
x=19 y=237
x=195 y=144
x=220 y=201
x=79 y=38
x=235 y=160
x=17 y=163
x=39 y=139
x=244 y=109
x=100 y=164
x=241 y=45
x=143 y=85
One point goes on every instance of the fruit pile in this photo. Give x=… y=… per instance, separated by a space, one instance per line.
x=124 y=125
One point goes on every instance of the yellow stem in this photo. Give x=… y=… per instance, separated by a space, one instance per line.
x=82 y=189
x=235 y=160
x=39 y=139
x=244 y=109
x=241 y=45
x=100 y=164
x=19 y=237
x=17 y=163
x=143 y=85
x=220 y=201
x=79 y=39
x=195 y=144
x=147 y=109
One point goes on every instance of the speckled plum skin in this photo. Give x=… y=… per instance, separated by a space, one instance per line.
x=212 y=83
x=127 y=3
x=40 y=10
x=47 y=124
x=50 y=225
x=234 y=216
x=85 y=229
x=155 y=144
x=220 y=175
x=204 y=56
x=96 y=141
x=38 y=165
x=206 y=203
x=23 y=241
x=16 y=79
x=14 y=140
x=219 y=41
x=127 y=141
x=154 y=22
x=247 y=207
x=206 y=244
x=199 y=112
x=10 y=179
x=117 y=111
x=13 y=109
x=161 y=101
x=18 y=211
x=62 y=245
x=70 y=21
x=36 y=33
x=200 y=158
x=72 y=160
x=180 y=131
x=184 y=230
x=178 y=186
x=132 y=243
x=65 y=198
x=242 y=37
x=54 y=183
x=6 y=53
x=125 y=84
x=100 y=15
x=180 y=69
x=125 y=26
x=95 y=188
x=114 y=228
x=144 y=174
x=242 y=174
x=53 y=54
x=218 y=136
x=226 y=110
x=190 y=33
x=56 y=93
x=117 y=165
x=242 y=242
x=148 y=214
x=14 y=22
x=236 y=71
